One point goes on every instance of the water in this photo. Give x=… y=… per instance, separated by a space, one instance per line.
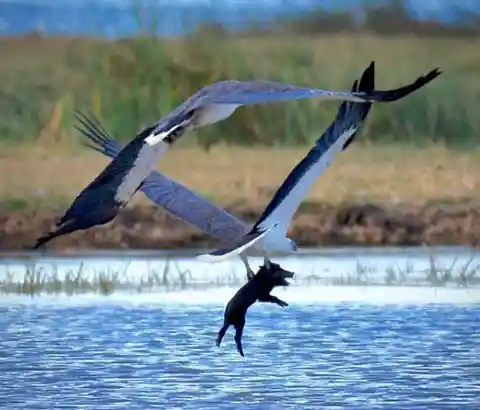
x=310 y=356
x=335 y=347
x=121 y=17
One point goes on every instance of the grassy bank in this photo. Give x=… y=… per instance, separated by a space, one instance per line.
x=49 y=177
x=371 y=196
x=412 y=154
x=129 y=83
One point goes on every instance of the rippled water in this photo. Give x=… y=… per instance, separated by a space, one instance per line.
x=150 y=352
x=409 y=345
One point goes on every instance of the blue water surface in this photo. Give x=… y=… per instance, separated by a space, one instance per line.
x=105 y=355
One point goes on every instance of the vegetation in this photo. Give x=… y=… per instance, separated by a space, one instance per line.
x=132 y=82
x=129 y=83
x=43 y=178
x=36 y=280
x=387 y=18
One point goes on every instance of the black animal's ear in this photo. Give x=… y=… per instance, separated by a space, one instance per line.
x=274 y=267
x=263 y=270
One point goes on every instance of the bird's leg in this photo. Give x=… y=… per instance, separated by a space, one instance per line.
x=250 y=272
x=266 y=260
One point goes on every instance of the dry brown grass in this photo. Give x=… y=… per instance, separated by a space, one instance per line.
x=54 y=176
x=44 y=173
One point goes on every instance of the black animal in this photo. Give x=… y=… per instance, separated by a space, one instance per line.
x=256 y=289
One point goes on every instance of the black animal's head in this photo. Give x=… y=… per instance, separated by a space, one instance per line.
x=275 y=275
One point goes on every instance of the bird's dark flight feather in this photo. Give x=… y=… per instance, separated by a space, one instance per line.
x=350 y=114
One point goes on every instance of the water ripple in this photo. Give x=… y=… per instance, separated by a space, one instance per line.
x=332 y=356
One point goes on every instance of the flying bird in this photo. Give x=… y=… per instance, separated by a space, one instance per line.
x=113 y=188
x=269 y=233
x=195 y=209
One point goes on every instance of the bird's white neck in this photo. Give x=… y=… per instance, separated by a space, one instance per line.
x=275 y=241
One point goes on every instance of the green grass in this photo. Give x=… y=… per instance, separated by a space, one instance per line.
x=36 y=281
x=131 y=83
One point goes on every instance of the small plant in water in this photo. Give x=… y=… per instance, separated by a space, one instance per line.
x=41 y=278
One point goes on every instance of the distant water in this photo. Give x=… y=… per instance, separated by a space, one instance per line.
x=114 y=18
x=335 y=347
x=100 y=354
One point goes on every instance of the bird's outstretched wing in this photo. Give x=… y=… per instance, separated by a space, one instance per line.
x=232 y=93
x=261 y=92
x=350 y=118
x=98 y=203
x=235 y=248
x=173 y=196
x=280 y=210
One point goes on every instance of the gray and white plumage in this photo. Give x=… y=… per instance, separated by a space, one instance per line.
x=219 y=100
x=198 y=211
x=173 y=196
x=101 y=200
x=269 y=233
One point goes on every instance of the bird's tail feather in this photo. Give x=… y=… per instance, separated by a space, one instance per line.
x=98 y=138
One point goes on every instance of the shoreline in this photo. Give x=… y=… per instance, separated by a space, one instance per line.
x=144 y=227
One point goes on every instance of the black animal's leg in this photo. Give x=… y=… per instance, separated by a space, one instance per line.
x=272 y=299
x=278 y=301
x=238 y=336
x=221 y=333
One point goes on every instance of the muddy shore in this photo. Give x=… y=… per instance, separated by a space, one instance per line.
x=149 y=227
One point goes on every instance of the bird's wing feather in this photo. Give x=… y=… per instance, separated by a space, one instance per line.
x=337 y=137
x=261 y=92
x=236 y=93
x=234 y=248
x=173 y=196
x=101 y=192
